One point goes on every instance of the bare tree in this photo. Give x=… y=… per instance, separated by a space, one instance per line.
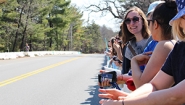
x=118 y=7
x=106 y=6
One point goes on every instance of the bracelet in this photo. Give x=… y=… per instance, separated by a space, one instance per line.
x=122 y=102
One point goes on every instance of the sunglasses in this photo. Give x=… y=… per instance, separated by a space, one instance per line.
x=117 y=38
x=134 y=19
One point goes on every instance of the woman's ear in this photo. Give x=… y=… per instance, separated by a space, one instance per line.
x=155 y=24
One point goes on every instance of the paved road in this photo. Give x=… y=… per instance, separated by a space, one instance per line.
x=50 y=80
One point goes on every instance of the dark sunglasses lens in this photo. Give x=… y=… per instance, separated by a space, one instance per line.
x=135 y=19
x=118 y=38
x=127 y=21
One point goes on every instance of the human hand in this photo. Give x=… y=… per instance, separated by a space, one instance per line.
x=148 y=53
x=120 y=78
x=107 y=82
x=104 y=83
x=107 y=53
x=142 y=59
x=113 y=94
x=102 y=71
x=116 y=46
x=110 y=102
x=118 y=64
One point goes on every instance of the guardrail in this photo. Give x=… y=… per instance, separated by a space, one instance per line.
x=14 y=55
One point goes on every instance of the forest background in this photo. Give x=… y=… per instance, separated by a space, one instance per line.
x=48 y=25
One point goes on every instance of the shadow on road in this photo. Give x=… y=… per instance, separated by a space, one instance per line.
x=104 y=62
x=93 y=90
x=94 y=100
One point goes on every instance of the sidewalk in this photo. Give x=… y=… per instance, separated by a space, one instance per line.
x=15 y=55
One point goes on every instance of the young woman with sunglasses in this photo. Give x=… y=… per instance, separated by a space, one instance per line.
x=135 y=32
x=135 y=29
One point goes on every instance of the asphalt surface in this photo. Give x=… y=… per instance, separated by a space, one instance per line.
x=51 y=80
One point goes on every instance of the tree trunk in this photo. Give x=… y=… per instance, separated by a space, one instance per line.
x=30 y=43
x=57 y=40
x=50 y=42
x=51 y=25
x=25 y=28
x=17 y=31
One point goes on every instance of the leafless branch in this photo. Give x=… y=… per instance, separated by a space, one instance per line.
x=107 y=7
x=118 y=7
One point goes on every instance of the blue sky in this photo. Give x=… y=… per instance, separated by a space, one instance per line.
x=106 y=20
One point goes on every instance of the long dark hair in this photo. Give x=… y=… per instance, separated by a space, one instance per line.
x=145 y=30
x=163 y=13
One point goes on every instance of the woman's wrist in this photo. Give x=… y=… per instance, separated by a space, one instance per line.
x=122 y=78
x=134 y=61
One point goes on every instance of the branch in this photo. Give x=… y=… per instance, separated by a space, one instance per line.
x=107 y=8
x=118 y=10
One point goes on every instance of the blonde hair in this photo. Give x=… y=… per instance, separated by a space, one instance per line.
x=177 y=30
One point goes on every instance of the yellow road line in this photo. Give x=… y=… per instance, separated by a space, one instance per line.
x=11 y=80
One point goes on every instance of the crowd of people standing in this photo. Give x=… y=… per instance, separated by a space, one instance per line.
x=150 y=52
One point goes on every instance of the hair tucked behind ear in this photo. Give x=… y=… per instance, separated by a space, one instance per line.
x=163 y=13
